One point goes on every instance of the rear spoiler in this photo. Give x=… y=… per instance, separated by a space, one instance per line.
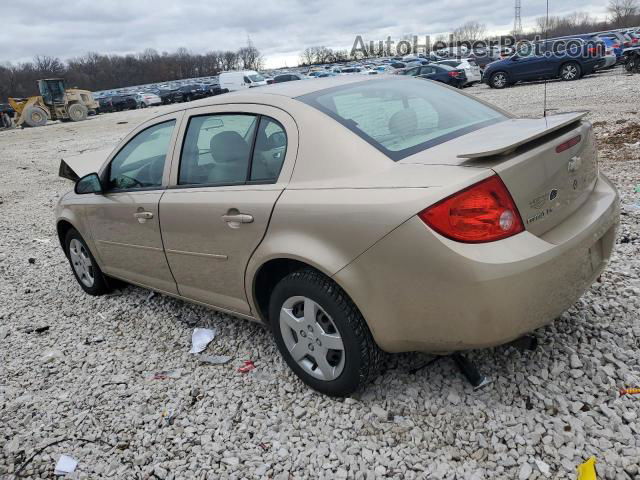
x=504 y=137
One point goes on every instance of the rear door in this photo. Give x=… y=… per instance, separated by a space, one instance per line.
x=227 y=174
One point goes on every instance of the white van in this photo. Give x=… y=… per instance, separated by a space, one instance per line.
x=233 y=81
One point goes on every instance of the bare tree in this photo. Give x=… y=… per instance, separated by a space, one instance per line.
x=470 y=31
x=623 y=11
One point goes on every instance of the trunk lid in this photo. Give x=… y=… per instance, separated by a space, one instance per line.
x=547 y=185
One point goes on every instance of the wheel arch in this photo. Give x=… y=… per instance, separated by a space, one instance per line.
x=270 y=272
x=62 y=227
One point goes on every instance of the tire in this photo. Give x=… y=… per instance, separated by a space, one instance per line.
x=84 y=266
x=331 y=318
x=77 y=112
x=35 y=116
x=499 y=80
x=570 y=71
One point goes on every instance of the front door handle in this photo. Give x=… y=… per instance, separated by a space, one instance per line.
x=238 y=218
x=143 y=215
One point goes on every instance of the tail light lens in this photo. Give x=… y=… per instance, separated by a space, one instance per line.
x=616 y=45
x=454 y=74
x=484 y=212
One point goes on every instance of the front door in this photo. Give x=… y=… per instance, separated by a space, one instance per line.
x=125 y=218
x=228 y=177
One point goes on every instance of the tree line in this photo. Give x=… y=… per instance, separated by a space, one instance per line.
x=95 y=71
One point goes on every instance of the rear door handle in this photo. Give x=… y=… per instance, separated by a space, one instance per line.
x=143 y=215
x=238 y=218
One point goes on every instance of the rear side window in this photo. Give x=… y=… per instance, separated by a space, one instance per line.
x=401 y=117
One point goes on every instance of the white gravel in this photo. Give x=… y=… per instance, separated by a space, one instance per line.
x=84 y=382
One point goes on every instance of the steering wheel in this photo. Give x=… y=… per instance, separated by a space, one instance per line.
x=136 y=182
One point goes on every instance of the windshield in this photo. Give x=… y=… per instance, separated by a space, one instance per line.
x=256 y=78
x=403 y=116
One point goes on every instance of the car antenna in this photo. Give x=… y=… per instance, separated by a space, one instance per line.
x=546 y=38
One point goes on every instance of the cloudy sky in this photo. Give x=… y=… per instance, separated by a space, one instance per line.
x=281 y=29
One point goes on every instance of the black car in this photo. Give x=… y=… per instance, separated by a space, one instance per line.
x=112 y=103
x=168 y=95
x=193 y=92
x=214 y=89
x=130 y=102
x=286 y=77
x=454 y=77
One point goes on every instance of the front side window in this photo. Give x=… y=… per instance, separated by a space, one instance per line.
x=140 y=163
x=256 y=78
x=401 y=117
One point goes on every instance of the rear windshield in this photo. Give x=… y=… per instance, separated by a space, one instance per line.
x=403 y=116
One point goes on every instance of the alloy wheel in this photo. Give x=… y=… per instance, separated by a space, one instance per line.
x=569 y=72
x=499 y=80
x=81 y=261
x=311 y=338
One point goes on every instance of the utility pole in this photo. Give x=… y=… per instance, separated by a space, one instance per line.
x=517 y=22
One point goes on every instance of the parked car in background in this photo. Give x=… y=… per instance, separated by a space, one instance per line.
x=193 y=92
x=290 y=77
x=232 y=81
x=612 y=44
x=471 y=69
x=147 y=99
x=352 y=216
x=130 y=102
x=112 y=103
x=168 y=95
x=326 y=74
x=454 y=77
x=539 y=62
x=483 y=58
x=214 y=89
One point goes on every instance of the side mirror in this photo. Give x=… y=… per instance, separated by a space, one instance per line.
x=88 y=184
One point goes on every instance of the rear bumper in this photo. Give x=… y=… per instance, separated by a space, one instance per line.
x=419 y=291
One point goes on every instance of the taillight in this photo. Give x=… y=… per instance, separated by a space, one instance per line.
x=568 y=144
x=454 y=74
x=484 y=212
x=616 y=45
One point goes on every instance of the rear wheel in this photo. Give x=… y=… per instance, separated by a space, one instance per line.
x=35 y=116
x=84 y=266
x=77 y=112
x=570 y=71
x=499 y=80
x=322 y=335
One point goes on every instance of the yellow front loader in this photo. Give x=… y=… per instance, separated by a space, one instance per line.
x=55 y=103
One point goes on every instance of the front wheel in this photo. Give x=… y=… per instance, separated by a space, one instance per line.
x=322 y=335
x=570 y=71
x=499 y=80
x=35 y=116
x=84 y=266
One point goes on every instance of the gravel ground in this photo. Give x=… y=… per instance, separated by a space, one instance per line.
x=83 y=382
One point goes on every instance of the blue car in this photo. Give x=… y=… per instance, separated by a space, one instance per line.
x=554 y=59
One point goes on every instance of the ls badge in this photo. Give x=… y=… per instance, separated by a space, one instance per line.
x=574 y=164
